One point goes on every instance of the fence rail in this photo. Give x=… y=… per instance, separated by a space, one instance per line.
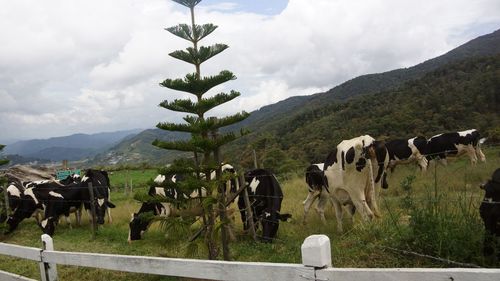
x=316 y=265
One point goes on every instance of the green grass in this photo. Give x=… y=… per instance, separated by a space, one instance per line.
x=451 y=230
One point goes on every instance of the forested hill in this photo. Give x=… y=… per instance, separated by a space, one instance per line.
x=486 y=45
x=454 y=97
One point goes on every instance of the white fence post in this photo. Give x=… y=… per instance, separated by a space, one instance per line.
x=48 y=271
x=316 y=251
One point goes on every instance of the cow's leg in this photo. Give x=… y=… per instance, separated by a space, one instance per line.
x=320 y=208
x=311 y=197
x=480 y=154
x=68 y=221
x=108 y=211
x=471 y=152
x=338 y=213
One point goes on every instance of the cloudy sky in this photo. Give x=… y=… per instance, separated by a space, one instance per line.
x=75 y=66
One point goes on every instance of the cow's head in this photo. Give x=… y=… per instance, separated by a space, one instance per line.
x=48 y=225
x=27 y=206
x=492 y=187
x=137 y=226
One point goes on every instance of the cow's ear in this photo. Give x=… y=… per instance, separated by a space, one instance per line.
x=110 y=205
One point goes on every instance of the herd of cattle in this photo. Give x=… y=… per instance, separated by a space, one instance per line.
x=347 y=178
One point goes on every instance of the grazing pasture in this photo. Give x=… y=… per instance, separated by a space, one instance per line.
x=443 y=204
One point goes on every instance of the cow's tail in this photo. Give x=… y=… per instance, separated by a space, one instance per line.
x=481 y=141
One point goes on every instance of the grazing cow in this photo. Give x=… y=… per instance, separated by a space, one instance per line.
x=404 y=151
x=490 y=214
x=468 y=142
x=48 y=196
x=349 y=173
x=140 y=221
x=14 y=192
x=66 y=199
x=265 y=197
x=317 y=186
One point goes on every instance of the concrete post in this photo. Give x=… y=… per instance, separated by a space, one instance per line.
x=316 y=251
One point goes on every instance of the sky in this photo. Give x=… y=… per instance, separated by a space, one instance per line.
x=74 y=66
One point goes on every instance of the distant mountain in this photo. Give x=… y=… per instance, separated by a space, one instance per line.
x=137 y=149
x=73 y=147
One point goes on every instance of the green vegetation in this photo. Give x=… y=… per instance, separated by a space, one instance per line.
x=441 y=220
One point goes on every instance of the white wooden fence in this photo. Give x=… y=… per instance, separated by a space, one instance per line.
x=316 y=265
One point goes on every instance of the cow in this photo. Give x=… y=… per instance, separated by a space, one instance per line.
x=39 y=196
x=405 y=151
x=156 y=207
x=265 y=197
x=14 y=192
x=468 y=142
x=70 y=198
x=349 y=173
x=317 y=187
x=490 y=214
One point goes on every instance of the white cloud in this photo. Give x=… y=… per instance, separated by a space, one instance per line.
x=89 y=66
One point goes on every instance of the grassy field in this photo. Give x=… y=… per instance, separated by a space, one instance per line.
x=433 y=213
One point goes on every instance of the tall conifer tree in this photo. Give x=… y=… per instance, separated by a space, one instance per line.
x=206 y=138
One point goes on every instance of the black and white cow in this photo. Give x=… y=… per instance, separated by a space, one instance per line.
x=48 y=196
x=350 y=175
x=490 y=214
x=265 y=197
x=318 y=189
x=70 y=198
x=442 y=146
x=404 y=151
x=14 y=192
x=161 y=189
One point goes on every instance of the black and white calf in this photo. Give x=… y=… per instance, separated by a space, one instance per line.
x=442 y=146
x=404 y=151
x=490 y=214
x=265 y=196
x=318 y=189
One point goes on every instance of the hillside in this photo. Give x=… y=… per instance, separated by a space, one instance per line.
x=454 y=97
x=137 y=149
x=485 y=45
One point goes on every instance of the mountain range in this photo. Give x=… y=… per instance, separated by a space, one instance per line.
x=281 y=128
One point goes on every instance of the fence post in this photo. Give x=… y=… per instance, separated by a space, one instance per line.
x=92 y=210
x=316 y=251
x=248 y=210
x=48 y=271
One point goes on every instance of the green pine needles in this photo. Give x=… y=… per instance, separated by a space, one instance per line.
x=206 y=139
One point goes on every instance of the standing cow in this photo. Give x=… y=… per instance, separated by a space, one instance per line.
x=265 y=197
x=490 y=214
x=404 y=151
x=349 y=173
x=318 y=189
x=442 y=146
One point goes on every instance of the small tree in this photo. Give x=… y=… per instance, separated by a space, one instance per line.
x=206 y=138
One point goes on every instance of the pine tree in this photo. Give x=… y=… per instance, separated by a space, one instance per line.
x=3 y=161
x=206 y=139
